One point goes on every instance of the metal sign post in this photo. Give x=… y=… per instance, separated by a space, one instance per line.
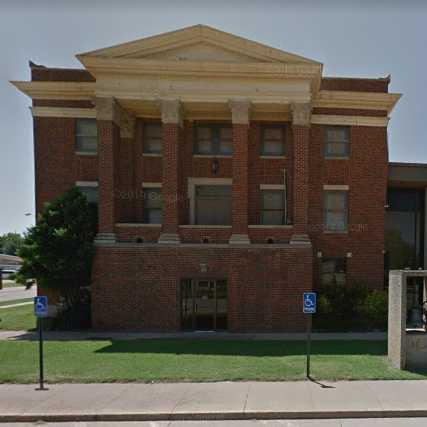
x=41 y=311
x=309 y=307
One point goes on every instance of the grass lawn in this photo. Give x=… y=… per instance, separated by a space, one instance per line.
x=17 y=318
x=190 y=360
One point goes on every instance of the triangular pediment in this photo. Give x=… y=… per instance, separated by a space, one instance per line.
x=198 y=43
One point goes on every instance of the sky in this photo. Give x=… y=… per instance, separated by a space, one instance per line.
x=351 y=38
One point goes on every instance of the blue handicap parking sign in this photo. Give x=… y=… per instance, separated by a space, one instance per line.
x=40 y=306
x=310 y=302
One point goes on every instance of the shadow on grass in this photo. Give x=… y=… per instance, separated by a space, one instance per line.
x=246 y=348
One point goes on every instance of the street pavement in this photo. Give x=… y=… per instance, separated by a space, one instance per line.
x=214 y=401
x=9 y=294
x=370 y=422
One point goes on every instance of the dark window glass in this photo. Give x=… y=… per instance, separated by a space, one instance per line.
x=333 y=271
x=337 y=141
x=152 y=135
x=273 y=141
x=404 y=228
x=213 y=205
x=273 y=207
x=336 y=210
x=213 y=140
x=91 y=193
x=152 y=206
x=86 y=136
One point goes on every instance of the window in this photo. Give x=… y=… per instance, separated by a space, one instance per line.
x=90 y=190
x=337 y=142
x=152 y=135
x=273 y=141
x=152 y=205
x=213 y=205
x=86 y=136
x=213 y=140
x=273 y=207
x=335 y=210
x=333 y=271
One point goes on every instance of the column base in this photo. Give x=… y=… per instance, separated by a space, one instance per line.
x=169 y=238
x=105 y=239
x=300 y=239
x=239 y=239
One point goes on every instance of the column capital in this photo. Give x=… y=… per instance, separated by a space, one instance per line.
x=240 y=111
x=301 y=113
x=107 y=109
x=127 y=125
x=110 y=110
x=172 y=111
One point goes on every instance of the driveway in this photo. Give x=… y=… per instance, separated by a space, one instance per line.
x=9 y=294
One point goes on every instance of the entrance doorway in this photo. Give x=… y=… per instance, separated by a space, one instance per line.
x=204 y=304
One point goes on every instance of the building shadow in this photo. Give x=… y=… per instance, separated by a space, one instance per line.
x=245 y=348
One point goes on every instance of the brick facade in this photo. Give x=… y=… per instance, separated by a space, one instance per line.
x=137 y=288
x=138 y=270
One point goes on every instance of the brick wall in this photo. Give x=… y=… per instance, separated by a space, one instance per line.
x=137 y=288
x=57 y=166
x=366 y=174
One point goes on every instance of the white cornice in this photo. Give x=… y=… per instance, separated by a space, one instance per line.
x=63 y=112
x=215 y=69
x=57 y=90
x=329 y=119
x=356 y=100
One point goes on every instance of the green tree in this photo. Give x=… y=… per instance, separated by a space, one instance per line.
x=58 y=251
x=10 y=243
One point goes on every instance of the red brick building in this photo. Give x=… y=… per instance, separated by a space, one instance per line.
x=230 y=177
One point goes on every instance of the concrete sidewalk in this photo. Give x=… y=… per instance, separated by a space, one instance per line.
x=93 y=335
x=209 y=401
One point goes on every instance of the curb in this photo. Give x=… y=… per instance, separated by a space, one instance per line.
x=210 y=416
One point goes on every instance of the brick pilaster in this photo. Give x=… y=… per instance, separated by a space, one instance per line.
x=172 y=124
x=138 y=173
x=240 y=118
x=301 y=115
x=108 y=138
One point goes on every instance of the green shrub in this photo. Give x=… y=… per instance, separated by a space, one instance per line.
x=350 y=308
x=375 y=309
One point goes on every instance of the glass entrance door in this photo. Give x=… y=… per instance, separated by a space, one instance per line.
x=204 y=304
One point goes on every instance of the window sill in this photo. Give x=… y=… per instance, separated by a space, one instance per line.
x=151 y=155
x=268 y=226
x=85 y=153
x=213 y=156
x=337 y=157
x=137 y=224
x=204 y=226
x=266 y=157
x=335 y=232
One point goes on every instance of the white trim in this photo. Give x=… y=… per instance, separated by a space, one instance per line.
x=331 y=119
x=212 y=156
x=151 y=155
x=86 y=153
x=197 y=226
x=86 y=183
x=271 y=186
x=67 y=112
x=191 y=188
x=151 y=185
x=263 y=156
x=327 y=187
x=269 y=226
x=137 y=224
